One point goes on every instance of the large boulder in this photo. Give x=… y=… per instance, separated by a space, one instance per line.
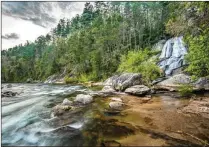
x=138 y=90
x=123 y=81
x=173 y=82
x=202 y=83
x=84 y=99
x=108 y=89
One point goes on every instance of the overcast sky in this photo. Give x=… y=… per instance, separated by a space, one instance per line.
x=23 y=21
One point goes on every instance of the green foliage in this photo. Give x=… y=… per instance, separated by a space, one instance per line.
x=185 y=90
x=70 y=80
x=138 y=61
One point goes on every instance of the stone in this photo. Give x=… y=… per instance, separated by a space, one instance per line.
x=173 y=82
x=9 y=85
x=146 y=99
x=59 y=109
x=123 y=81
x=67 y=102
x=84 y=99
x=202 y=83
x=8 y=94
x=138 y=90
x=116 y=105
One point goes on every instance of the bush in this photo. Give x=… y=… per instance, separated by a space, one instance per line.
x=185 y=90
x=69 y=80
x=138 y=61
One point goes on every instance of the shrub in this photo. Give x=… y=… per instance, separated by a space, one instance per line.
x=138 y=61
x=185 y=90
x=70 y=80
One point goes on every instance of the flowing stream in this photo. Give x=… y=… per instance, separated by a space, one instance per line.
x=25 y=115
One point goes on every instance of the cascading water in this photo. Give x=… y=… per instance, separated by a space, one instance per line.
x=26 y=117
x=172 y=55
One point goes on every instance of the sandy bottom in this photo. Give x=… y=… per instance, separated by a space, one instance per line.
x=160 y=122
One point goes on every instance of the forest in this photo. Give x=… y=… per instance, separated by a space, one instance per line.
x=109 y=38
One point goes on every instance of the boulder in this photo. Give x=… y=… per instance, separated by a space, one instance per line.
x=172 y=83
x=59 y=110
x=67 y=102
x=116 y=105
x=202 y=83
x=123 y=81
x=138 y=90
x=84 y=99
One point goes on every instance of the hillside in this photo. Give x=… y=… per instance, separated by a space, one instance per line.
x=112 y=37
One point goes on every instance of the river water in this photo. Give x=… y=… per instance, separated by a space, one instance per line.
x=27 y=120
x=24 y=116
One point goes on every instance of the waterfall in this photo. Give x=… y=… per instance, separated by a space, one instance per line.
x=172 y=55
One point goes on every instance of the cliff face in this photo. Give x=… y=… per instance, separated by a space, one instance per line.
x=172 y=55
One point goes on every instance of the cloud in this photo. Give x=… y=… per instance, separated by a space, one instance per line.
x=40 y=13
x=11 y=36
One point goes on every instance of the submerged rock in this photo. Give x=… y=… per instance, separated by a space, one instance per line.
x=172 y=55
x=198 y=107
x=59 y=110
x=9 y=86
x=173 y=82
x=84 y=99
x=123 y=81
x=138 y=90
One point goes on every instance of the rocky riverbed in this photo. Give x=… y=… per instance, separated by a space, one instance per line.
x=98 y=119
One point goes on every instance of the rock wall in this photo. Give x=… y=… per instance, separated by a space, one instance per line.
x=172 y=55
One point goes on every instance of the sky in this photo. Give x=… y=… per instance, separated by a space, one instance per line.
x=23 y=21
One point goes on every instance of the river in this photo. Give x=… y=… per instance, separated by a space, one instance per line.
x=27 y=120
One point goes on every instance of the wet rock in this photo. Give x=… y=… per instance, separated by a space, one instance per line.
x=200 y=107
x=109 y=143
x=29 y=80
x=172 y=83
x=138 y=90
x=123 y=81
x=84 y=99
x=59 y=110
x=8 y=94
x=172 y=55
x=202 y=83
x=116 y=105
x=117 y=99
x=67 y=102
